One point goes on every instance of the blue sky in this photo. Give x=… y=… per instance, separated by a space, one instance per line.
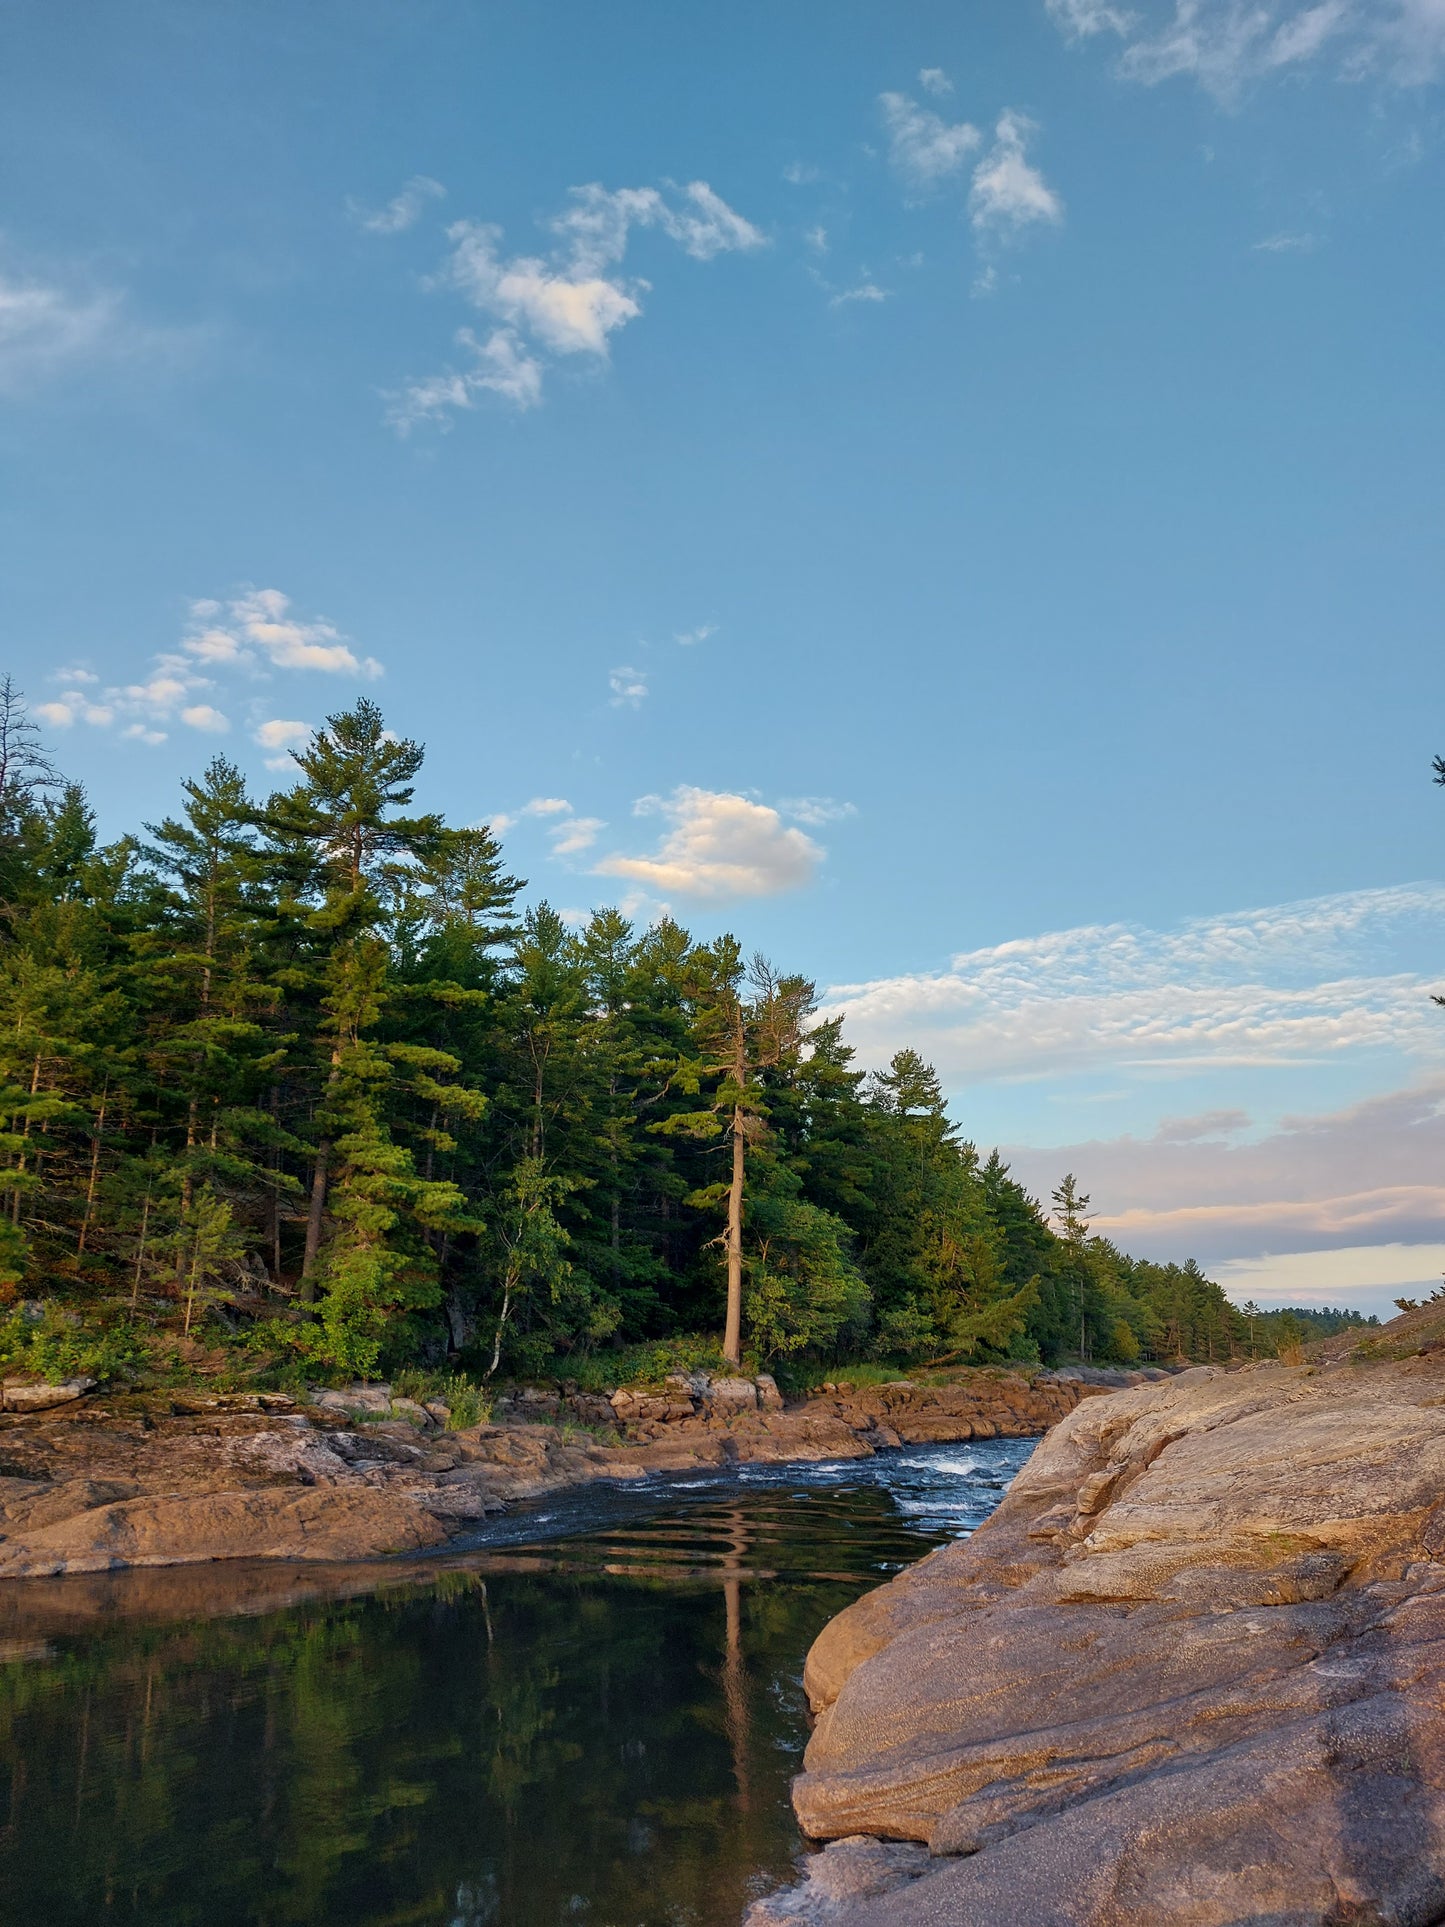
x=953 y=493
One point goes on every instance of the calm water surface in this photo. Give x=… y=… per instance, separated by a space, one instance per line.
x=591 y=1715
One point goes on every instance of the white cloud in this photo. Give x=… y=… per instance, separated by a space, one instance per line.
x=719 y=846
x=571 y=309
x=44 y=329
x=933 y=80
x=1224 y=45
x=503 y=820
x=1310 y=981
x=261 y=630
x=923 y=147
x=628 y=686
x=404 y=210
x=816 y=238
x=1008 y=192
x=801 y=173
x=689 y=638
x=281 y=736
x=569 y=302
x=570 y=834
x=250 y=637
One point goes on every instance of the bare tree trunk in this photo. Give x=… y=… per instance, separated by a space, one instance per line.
x=191 y=1285
x=501 y=1326
x=94 y=1171
x=734 y=1672
x=276 y=1189
x=316 y=1211
x=140 y=1251
x=24 y=1136
x=733 y=1332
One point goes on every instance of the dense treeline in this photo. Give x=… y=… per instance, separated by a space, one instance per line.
x=297 y=1074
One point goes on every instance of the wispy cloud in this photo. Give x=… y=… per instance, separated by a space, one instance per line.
x=628 y=686
x=404 y=210
x=1367 y=1174
x=933 y=80
x=718 y=846
x=569 y=833
x=689 y=638
x=1082 y=19
x=499 y=365
x=45 y=329
x=568 y=302
x=578 y=833
x=864 y=291
x=816 y=810
x=503 y=820
x=924 y=148
x=1286 y=244
x=1008 y=192
x=1224 y=45
x=1297 y=982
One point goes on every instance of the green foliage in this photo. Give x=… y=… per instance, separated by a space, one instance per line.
x=293 y=1078
x=467 y=1402
x=802 y=1289
x=59 y=1344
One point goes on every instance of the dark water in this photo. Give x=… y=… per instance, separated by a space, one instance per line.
x=591 y=1716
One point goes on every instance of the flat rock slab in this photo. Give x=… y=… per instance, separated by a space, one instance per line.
x=1191 y=1674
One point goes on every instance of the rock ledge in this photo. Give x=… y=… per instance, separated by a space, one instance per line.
x=1190 y=1674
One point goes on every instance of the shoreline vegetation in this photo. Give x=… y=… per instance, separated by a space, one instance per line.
x=293 y=1094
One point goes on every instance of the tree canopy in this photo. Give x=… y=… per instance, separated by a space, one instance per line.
x=299 y=1076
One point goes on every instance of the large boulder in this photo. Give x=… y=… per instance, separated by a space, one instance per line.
x=1192 y=1674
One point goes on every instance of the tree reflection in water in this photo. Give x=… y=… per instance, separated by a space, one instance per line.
x=599 y=1729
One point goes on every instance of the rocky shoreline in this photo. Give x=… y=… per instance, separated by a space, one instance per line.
x=1191 y=1672
x=90 y=1484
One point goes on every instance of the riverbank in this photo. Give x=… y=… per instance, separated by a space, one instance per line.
x=97 y=1485
x=1191 y=1672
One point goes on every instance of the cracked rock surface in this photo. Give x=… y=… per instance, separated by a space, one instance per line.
x=1192 y=1672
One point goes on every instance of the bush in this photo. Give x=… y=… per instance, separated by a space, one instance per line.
x=466 y=1402
x=56 y=1346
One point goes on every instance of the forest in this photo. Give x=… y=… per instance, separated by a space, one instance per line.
x=295 y=1081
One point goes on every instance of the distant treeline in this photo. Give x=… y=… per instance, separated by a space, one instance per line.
x=294 y=1076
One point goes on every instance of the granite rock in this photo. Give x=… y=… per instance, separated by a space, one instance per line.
x=1191 y=1674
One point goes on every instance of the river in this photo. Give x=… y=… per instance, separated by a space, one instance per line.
x=587 y=1716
